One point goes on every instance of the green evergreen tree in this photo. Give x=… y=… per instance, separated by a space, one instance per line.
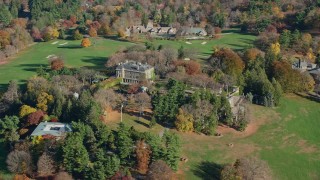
x=172 y=149
x=285 y=39
x=9 y=129
x=144 y=19
x=5 y=15
x=75 y=155
x=277 y=92
x=124 y=143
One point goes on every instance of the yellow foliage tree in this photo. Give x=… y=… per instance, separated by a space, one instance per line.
x=55 y=33
x=307 y=39
x=26 y=110
x=85 y=42
x=43 y=100
x=277 y=12
x=184 y=121
x=121 y=33
x=310 y=55
x=275 y=48
x=36 y=139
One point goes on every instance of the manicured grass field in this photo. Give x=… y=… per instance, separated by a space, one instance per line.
x=233 y=39
x=24 y=65
x=288 y=140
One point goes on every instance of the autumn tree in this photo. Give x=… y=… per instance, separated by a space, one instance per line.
x=19 y=162
x=85 y=42
x=251 y=55
x=35 y=118
x=143 y=156
x=184 y=121
x=57 y=64
x=92 y=32
x=25 y=110
x=46 y=165
x=43 y=100
x=228 y=61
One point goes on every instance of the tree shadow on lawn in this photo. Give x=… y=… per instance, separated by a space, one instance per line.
x=145 y=115
x=309 y=96
x=97 y=61
x=142 y=123
x=208 y=170
x=31 y=67
x=70 y=47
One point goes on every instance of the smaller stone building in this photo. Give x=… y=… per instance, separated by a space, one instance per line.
x=134 y=72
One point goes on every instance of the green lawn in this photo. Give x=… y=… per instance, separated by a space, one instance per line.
x=24 y=65
x=288 y=141
x=233 y=39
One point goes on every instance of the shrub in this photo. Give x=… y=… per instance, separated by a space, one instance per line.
x=85 y=42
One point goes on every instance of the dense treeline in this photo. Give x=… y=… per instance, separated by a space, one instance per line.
x=92 y=150
x=45 y=20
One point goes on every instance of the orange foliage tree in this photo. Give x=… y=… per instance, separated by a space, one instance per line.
x=228 y=61
x=143 y=156
x=85 y=42
x=57 y=64
x=191 y=67
x=92 y=32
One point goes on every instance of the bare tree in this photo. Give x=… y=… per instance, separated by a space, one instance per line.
x=63 y=176
x=46 y=165
x=169 y=55
x=86 y=75
x=159 y=170
x=142 y=101
x=19 y=162
x=253 y=168
x=12 y=94
x=37 y=85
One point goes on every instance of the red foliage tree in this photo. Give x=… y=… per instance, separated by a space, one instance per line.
x=133 y=88
x=73 y=19
x=192 y=67
x=57 y=64
x=35 y=118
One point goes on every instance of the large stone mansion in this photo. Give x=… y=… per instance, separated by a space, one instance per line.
x=134 y=72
